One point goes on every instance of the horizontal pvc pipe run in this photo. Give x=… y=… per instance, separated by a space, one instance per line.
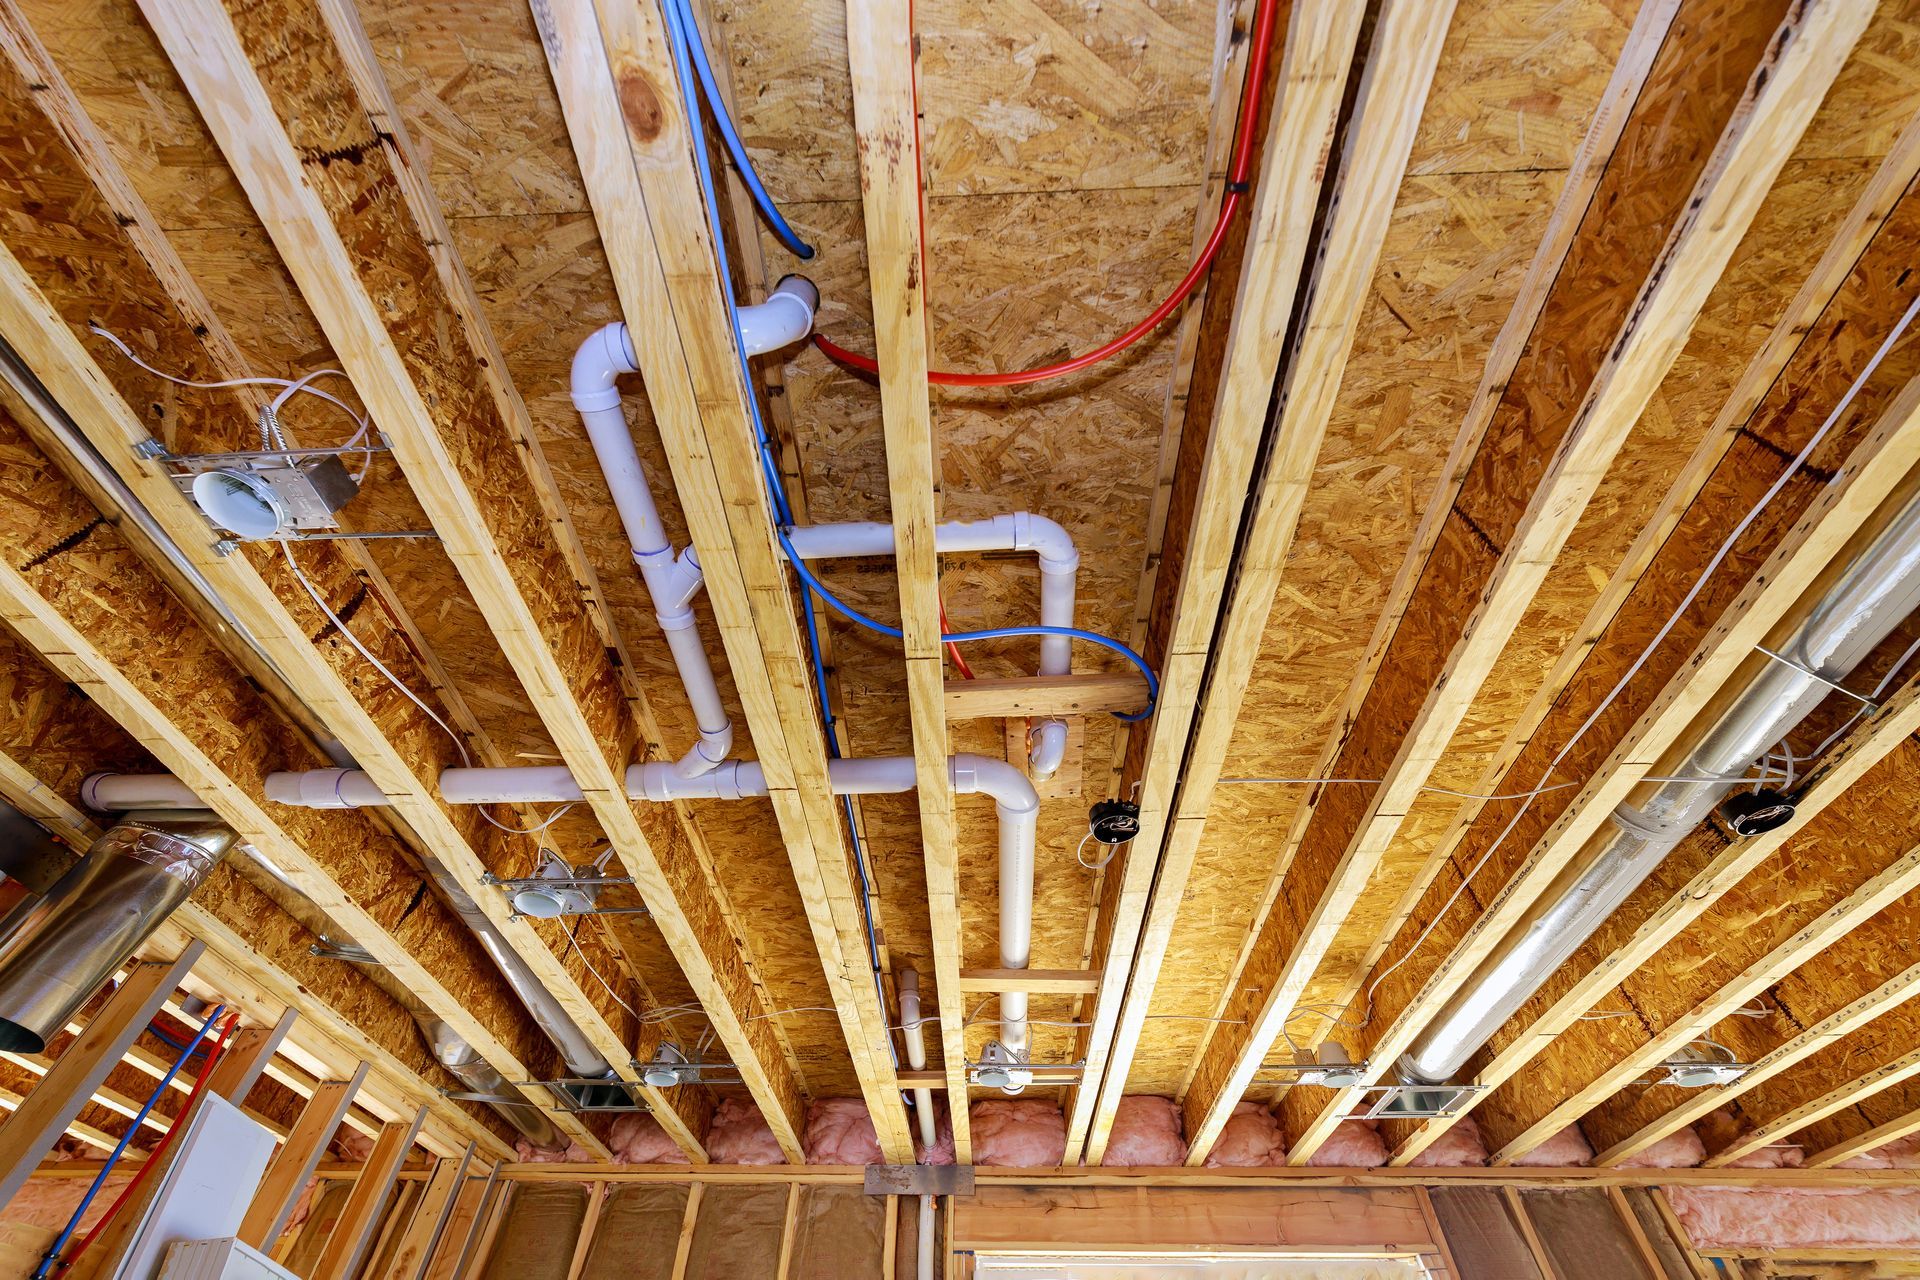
x=1015 y=800
x=1019 y=531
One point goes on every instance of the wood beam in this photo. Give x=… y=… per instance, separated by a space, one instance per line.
x=354 y=228
x=611 y=65
x=1835 y=1075
x=37 y=1122
x=1840 y=285
x=242 y=1062
x=1390 y=99
x=1067 y=982
x=1872 y=1121
x=882 y=57
x=1315 y=58
x=287 y=1176
x=353 y=1230
x=1796 y=66
x=1010 y=697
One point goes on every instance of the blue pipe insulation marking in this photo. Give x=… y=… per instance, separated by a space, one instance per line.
x=680 y=24
x=52 y=1255
x=717 y=107
x=811 y=582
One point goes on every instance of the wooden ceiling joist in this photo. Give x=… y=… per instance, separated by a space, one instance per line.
x=72 y=588
x=1315 y=59
x=1873 y=1119
x=1825 y=1080
x=881 y=55
x=1390 y=98
x=1835 y=1002
x=359 y=229
x=1742 y=142
x=1824 y=303
x=623 y=111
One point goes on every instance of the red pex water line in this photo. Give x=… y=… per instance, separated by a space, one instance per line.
x=1257 y=57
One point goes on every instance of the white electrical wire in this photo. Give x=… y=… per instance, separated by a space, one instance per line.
x=573 y=936
x=270 y=434
x=1719 y=556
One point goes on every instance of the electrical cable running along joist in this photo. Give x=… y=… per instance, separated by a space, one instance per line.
x=1237 y=187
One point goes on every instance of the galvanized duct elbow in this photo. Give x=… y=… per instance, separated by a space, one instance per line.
x=57 y=949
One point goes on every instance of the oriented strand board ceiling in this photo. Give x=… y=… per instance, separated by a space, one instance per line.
x=1073 y=158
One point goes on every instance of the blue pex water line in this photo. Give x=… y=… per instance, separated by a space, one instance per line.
x=717 y=107
x=811 y=582
x=52 y=1255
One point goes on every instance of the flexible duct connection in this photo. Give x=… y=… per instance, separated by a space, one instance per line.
x=465 y=1064
x=57 y=949
x=1878 y=591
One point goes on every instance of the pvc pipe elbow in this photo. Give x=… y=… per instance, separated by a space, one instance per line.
x=1011 y=789
x=783 y=319
x=1047 y=539
x=1047 y=749
x=602 y=358
x=708 y=754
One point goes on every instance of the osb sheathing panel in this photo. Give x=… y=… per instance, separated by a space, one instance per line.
x=1064 y=148
x=1812 y=195
x=1513 y=85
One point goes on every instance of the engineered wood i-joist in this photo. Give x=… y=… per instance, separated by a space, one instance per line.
x=33 y=1126
x=1787 y=345
x=1797 y=64
x=624 y=114
x=72 y=588
x=338 y=187
x=1863 y=494
x=1317 y=50
x=881 y=55
x=1389 y=99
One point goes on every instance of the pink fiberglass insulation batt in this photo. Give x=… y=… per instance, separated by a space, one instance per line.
x=740 y=1135
x=573 y=1154
x=48 y=1202
x=1824 y=1218
x=1459 y=1146
x=1566 y=1149
x=941 y=1152
x=1146 y=1134
x=1353 y=1144
x=1249 y=1140
x=637 y=1138
x=1901 y=1153
x=1018 y=1133
x=1682 y=1150
x=839 y=1131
